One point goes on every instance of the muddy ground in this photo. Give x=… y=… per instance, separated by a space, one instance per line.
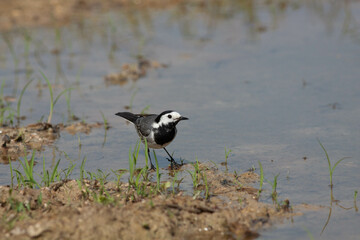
x=96 y=209
x=18 y=141
x=84 y=209
x=92 y=210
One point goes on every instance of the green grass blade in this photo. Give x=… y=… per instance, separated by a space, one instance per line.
x=327 y=156
x=131 y=166
x=261 y=178
x=51 y=97
x=54 y=172
x=11 y=174
x=20 y=98
x=157 y=172
x=146 y=154
x=339 y=161
x=60 y=94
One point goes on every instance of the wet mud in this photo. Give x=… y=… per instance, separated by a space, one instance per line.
x=75 y=209
x=16 y=142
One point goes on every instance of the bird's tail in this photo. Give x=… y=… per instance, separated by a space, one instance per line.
x=128 y=116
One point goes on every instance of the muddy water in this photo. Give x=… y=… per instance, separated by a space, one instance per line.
x=266 y=81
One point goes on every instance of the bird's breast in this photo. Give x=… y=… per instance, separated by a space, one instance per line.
x=164 y=135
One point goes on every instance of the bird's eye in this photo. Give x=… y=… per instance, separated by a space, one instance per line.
x=169 y=116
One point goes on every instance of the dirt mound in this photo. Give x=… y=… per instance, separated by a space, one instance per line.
x=15 y=142
x=76 y=209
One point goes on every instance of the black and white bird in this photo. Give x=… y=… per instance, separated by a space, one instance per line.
x=158 y=130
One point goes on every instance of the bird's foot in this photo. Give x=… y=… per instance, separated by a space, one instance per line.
x=152 y=168
x=174 y=165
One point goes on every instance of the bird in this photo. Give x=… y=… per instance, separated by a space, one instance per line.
x=158 y=130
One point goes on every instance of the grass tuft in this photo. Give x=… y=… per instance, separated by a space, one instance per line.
x=331 y=168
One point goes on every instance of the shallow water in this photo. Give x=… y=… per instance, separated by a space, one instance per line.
x=266 y=81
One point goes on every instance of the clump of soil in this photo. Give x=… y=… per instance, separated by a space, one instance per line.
x=29 y=13
x=15 y=142
x=132 y=71
x=92 y=210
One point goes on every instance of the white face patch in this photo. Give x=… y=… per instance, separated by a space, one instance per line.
x=169 y=118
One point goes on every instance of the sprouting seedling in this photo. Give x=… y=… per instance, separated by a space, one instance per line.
x=79 y=141
x=173 y=181
x=28 y=167
x=47 y=178
x=227 y=153
x=106 y=127
x=195 y=174
x=331 y=168
x=261 y=179
x=274 y=186
x=145 y=109
x=157 y=172
x=311 y=237
x=132 y=98
x=146 y=153
x=355 y=196
x=204 y=177
x=11 y=174
x=82 y=170
x=20 y=98
x=68 y=171
x=133 y=156
x=52 y=101
x=2 y=91
x=67 y=97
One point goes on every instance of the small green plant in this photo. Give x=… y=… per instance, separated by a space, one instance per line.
x=173 y=181
x=28 y=167
x=355 y=196
x=145 y=109
x=204 y=177
x=9 y=118
x=261 y=179
x=11 y=174
x=157 y=172
x=106 y=126
x=132 y=99
x=133 y=156
x=47 y=178
x=39 y=199
x=70 y=113
x=68 y=171
x=20 y=98
x=195 y=174
x=274 y=186
x=311 y=237
x=119 y=173
x=331 y=168
x=227 y=153
x=79 y=141
x=147 y=157
x=52 y=101
x=82 y=169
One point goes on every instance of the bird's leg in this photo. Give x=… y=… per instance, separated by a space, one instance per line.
x=151 y=164
x=172 y=161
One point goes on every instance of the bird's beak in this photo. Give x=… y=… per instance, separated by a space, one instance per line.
x=183 y=118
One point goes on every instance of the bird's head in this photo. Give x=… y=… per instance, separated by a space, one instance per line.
x=169 y=118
